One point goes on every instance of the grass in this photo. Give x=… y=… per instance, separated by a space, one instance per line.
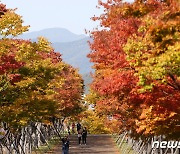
x=47 y=148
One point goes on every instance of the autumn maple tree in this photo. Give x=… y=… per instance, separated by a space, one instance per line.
x=36 y=85
x=136 y=59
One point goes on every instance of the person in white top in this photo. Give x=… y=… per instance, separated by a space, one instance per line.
x=79 y=136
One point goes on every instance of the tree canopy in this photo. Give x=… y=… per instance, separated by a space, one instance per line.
x=136 y=57
x=35 y=84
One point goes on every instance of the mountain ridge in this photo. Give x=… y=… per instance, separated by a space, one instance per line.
x=53 y=35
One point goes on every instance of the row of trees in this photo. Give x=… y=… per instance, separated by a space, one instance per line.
x=136 y=56
x=35 y=84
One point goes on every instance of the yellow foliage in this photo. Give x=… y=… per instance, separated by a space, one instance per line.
x=11 y=24
x=94 y=123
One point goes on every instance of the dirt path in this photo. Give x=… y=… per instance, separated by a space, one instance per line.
x=96 y=144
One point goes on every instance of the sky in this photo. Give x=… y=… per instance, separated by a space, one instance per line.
x=73 y=15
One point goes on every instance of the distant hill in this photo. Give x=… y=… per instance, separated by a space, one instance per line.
x=53 y=35
x=75 y=53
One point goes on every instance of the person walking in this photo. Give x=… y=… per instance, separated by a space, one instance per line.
x=84 y=135
x=69 y=131
x=65 y=145
x=73 y=126
x=79 y=136
x=78 y=126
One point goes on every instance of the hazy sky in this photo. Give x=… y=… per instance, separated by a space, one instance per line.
x=73 y=15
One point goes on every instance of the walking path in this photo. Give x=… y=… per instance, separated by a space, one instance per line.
x=96 y=144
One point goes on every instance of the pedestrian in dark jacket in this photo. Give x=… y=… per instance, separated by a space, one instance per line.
x=65 y=145
x=78 y=126
x=84 y=135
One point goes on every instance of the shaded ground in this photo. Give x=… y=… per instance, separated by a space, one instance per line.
x=96 y=144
